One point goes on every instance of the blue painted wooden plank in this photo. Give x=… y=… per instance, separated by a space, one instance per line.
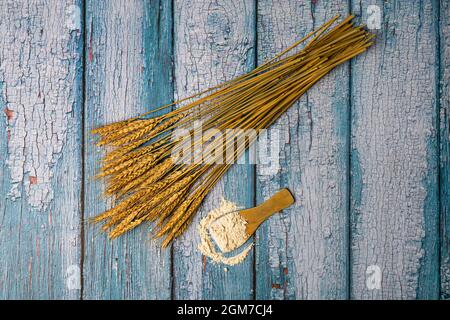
x=302 y=252
x=214 y=42
x=40 y=149
x=128 y=71
x=394 y=201
x=445 y=145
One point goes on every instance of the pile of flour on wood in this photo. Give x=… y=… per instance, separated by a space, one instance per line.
x=227 y=230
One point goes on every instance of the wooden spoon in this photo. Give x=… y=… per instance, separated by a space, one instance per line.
x=253 y=218
x=257 y=215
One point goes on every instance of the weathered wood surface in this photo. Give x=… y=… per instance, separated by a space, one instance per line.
x=366 y=151
x=444 y=63
x=128 y=70
x=40 y=149
x=394 y=162
x=302 y=252
x=214 y=42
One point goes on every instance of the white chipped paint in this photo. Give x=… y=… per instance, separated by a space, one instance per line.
x=37 y=71
x=119 y=68
x=394 y=90
x=306 y=247
x=212 y=43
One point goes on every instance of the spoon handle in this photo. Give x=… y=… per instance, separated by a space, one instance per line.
x=279 y=201
x=255 y=216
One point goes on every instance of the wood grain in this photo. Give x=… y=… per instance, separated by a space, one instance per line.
x=128 y=71
x=444 y=56
x=366 y=151
x=302 y=252
x=394 y=201
x=214 y=42
x=40 y=149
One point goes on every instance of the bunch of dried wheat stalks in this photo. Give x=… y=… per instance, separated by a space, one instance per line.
x=139 y=168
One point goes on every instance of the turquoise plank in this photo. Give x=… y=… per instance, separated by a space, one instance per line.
x=444 y=55
x=128 y=71
x=214 y=42
x=302 y=252
x=394 y=163
x=40 y=149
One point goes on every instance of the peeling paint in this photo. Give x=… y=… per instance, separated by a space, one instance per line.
x=9 y=114
x=304 y=247
x=212 y=45
x=33 y=179
x=124 y=36
x=393 y=126
x=38 y=70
